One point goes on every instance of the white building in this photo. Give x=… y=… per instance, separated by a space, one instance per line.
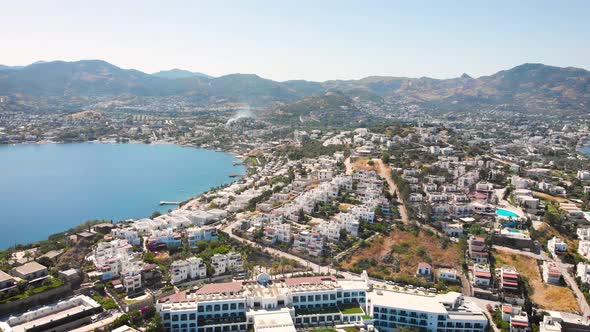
x=303 y=303
x=196 y=234
x=191 y=268
x=448 y=275
x=556 y=246
x=551 y=273
x=65 y=315
x=309 y=242
x=584 y=175
x=230 y=262
x=583 y=272
x=128 y=233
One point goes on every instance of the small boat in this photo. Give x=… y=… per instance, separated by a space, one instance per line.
x=234 y=175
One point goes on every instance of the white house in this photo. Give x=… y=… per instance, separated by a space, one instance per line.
x=584 y=175
x=556 y=246
x=448 y=274
x=583 y=272
x=424 y=269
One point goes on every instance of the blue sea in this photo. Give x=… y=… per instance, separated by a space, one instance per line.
x=46 y=189
x=585 y=150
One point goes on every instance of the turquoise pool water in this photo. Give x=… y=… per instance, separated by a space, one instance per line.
x=506 y=213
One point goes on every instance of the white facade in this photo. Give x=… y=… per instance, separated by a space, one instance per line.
x=556 y=246
x=230 y=262
x=191 y=268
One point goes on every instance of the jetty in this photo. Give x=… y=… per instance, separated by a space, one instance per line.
x=169 y=203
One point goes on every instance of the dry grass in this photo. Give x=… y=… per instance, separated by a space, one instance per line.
x=416 y=249
x=550 y=297
x=551 y=197
x=361 y=165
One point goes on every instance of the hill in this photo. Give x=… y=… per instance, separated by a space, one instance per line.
x=179 y=73
x=526 y=88
x=330 y=108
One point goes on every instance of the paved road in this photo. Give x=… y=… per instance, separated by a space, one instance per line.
x=571 y=282
x=542 y=256
x=482 y=304
x=315 y=267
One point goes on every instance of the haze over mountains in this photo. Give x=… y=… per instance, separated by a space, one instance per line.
x=528 y=87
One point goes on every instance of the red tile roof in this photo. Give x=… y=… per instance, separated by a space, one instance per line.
x=224 y=287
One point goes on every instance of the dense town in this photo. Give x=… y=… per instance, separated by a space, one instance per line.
x=411 y=224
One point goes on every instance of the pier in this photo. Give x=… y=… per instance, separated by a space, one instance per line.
x=169 y=203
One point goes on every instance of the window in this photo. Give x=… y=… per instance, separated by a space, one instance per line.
x=318 y=297
x=166 y=316
x=216 y=307
x=232 y=306
x=225 y=306
x=183 y=317
x=201 y=308
x=192 y=317
x=295 y=298
x=310 y=298
x=175 y=318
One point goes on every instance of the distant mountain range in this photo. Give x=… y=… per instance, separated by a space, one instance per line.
x=179 y=73
x=528 y=87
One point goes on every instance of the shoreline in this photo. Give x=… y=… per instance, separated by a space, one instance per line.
x=233 y=153
x=187 y=202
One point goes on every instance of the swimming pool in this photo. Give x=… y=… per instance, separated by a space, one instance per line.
x=506 y=213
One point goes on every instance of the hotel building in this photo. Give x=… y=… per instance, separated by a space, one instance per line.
x=288 y=304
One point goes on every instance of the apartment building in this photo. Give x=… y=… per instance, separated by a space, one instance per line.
x=477 y=248
x=111 y=258
x=230 y=262
x=481 y=275
x=196 y=234
x=127 y=233
x=551 y=273
x=509 y=278
x=164 y=238
x=309 y=242
x=190 y=268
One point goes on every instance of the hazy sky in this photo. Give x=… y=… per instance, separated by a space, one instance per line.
x=314 y=40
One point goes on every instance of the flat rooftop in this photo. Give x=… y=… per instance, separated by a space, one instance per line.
x=273 y=321
x=414 y=302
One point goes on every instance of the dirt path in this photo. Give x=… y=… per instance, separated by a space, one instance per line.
x=385 y=172
x=348 y=166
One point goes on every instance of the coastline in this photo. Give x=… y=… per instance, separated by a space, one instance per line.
x=186 y=203
x=109 y=141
